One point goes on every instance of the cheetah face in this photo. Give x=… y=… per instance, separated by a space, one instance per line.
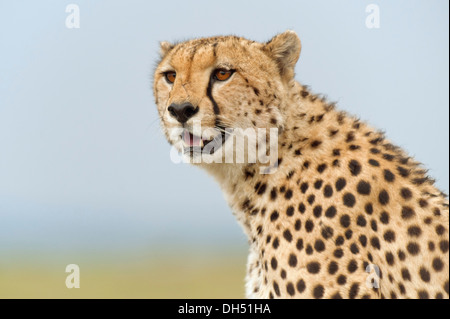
x=206 y=88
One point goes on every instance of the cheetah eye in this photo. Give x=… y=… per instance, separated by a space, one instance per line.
x=222 y=75
x=170 y=76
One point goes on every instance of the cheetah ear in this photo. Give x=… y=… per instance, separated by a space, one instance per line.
x=165 y=47
x=285 y=49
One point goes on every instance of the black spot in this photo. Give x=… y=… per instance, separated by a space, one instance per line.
x=369 y=208
x=354 y=147
x=327 y=232
x=274 y=263
x=383 y=197
x=309 y=250
x=298 y=225
x=342 y=280
x=290 y=289
x=275 y=243
x=348 y=234
x=446 y=287
x=318 y=291
x=389 y=176
x=290 y=211
x=337 y=295
x=319 y=246
x=304 y=187
x=317 y=211
x=363 y=240
x=328 y=191
x=361 y=221
x=331 y=212
x=384 y=218
x=273 y=194
x=375 y=151
x=390 y=258
x=288 y=194
x=274 y=216
x=406 y=193
x=336 y=163
x=443 y=245
x=350 y=137
x=311 y=199
x=375 y=242
x=340 y=184
x=349 y=200
x=388 y=157
x=299 y=244
x=340 y=240
x=313 y=267
x=431 y=246
x=352 y=266
x=401 y=255
x=440 y=230
x=276 y=288
x=406 y=275
x=309 y=226
x=354 y=289
x=413 y=248
x=345 y=220
x=354 y=167
x=301 y=286
x=338 y=253
x=301 y=208
x=414 y=231
x=287 y=235
x=403 y=171
x=354 y=249
x=374 y=163
x=262 y=189
x=336 y=152
x=402 y=288
x=438 y=265
x=318 y=184
x=373 y=225
x=316 y=143
x=321 y=168
x=333 y=268
x=292 y=260
x=424 y=274
x=423 y=203
x=364 y=188
x=389 y=236
x=407 y=212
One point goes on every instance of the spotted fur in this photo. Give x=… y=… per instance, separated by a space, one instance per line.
x=343 y=197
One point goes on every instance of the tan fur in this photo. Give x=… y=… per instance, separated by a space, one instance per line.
x=405 y=235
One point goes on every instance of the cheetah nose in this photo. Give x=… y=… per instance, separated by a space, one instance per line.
x=182 y=112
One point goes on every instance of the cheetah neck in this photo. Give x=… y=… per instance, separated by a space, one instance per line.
x=309 y=123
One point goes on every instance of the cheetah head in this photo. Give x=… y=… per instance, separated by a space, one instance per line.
x=206 y=88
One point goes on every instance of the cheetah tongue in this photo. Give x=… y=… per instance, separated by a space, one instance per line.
x=191 y=140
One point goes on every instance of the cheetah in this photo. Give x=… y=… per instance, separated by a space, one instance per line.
x=343 y=213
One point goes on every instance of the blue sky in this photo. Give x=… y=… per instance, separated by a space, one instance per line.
x=83 y=163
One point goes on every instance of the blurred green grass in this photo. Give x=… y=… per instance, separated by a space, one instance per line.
x=161 y=276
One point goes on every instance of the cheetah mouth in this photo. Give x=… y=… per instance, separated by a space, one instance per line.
x=193 y=144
